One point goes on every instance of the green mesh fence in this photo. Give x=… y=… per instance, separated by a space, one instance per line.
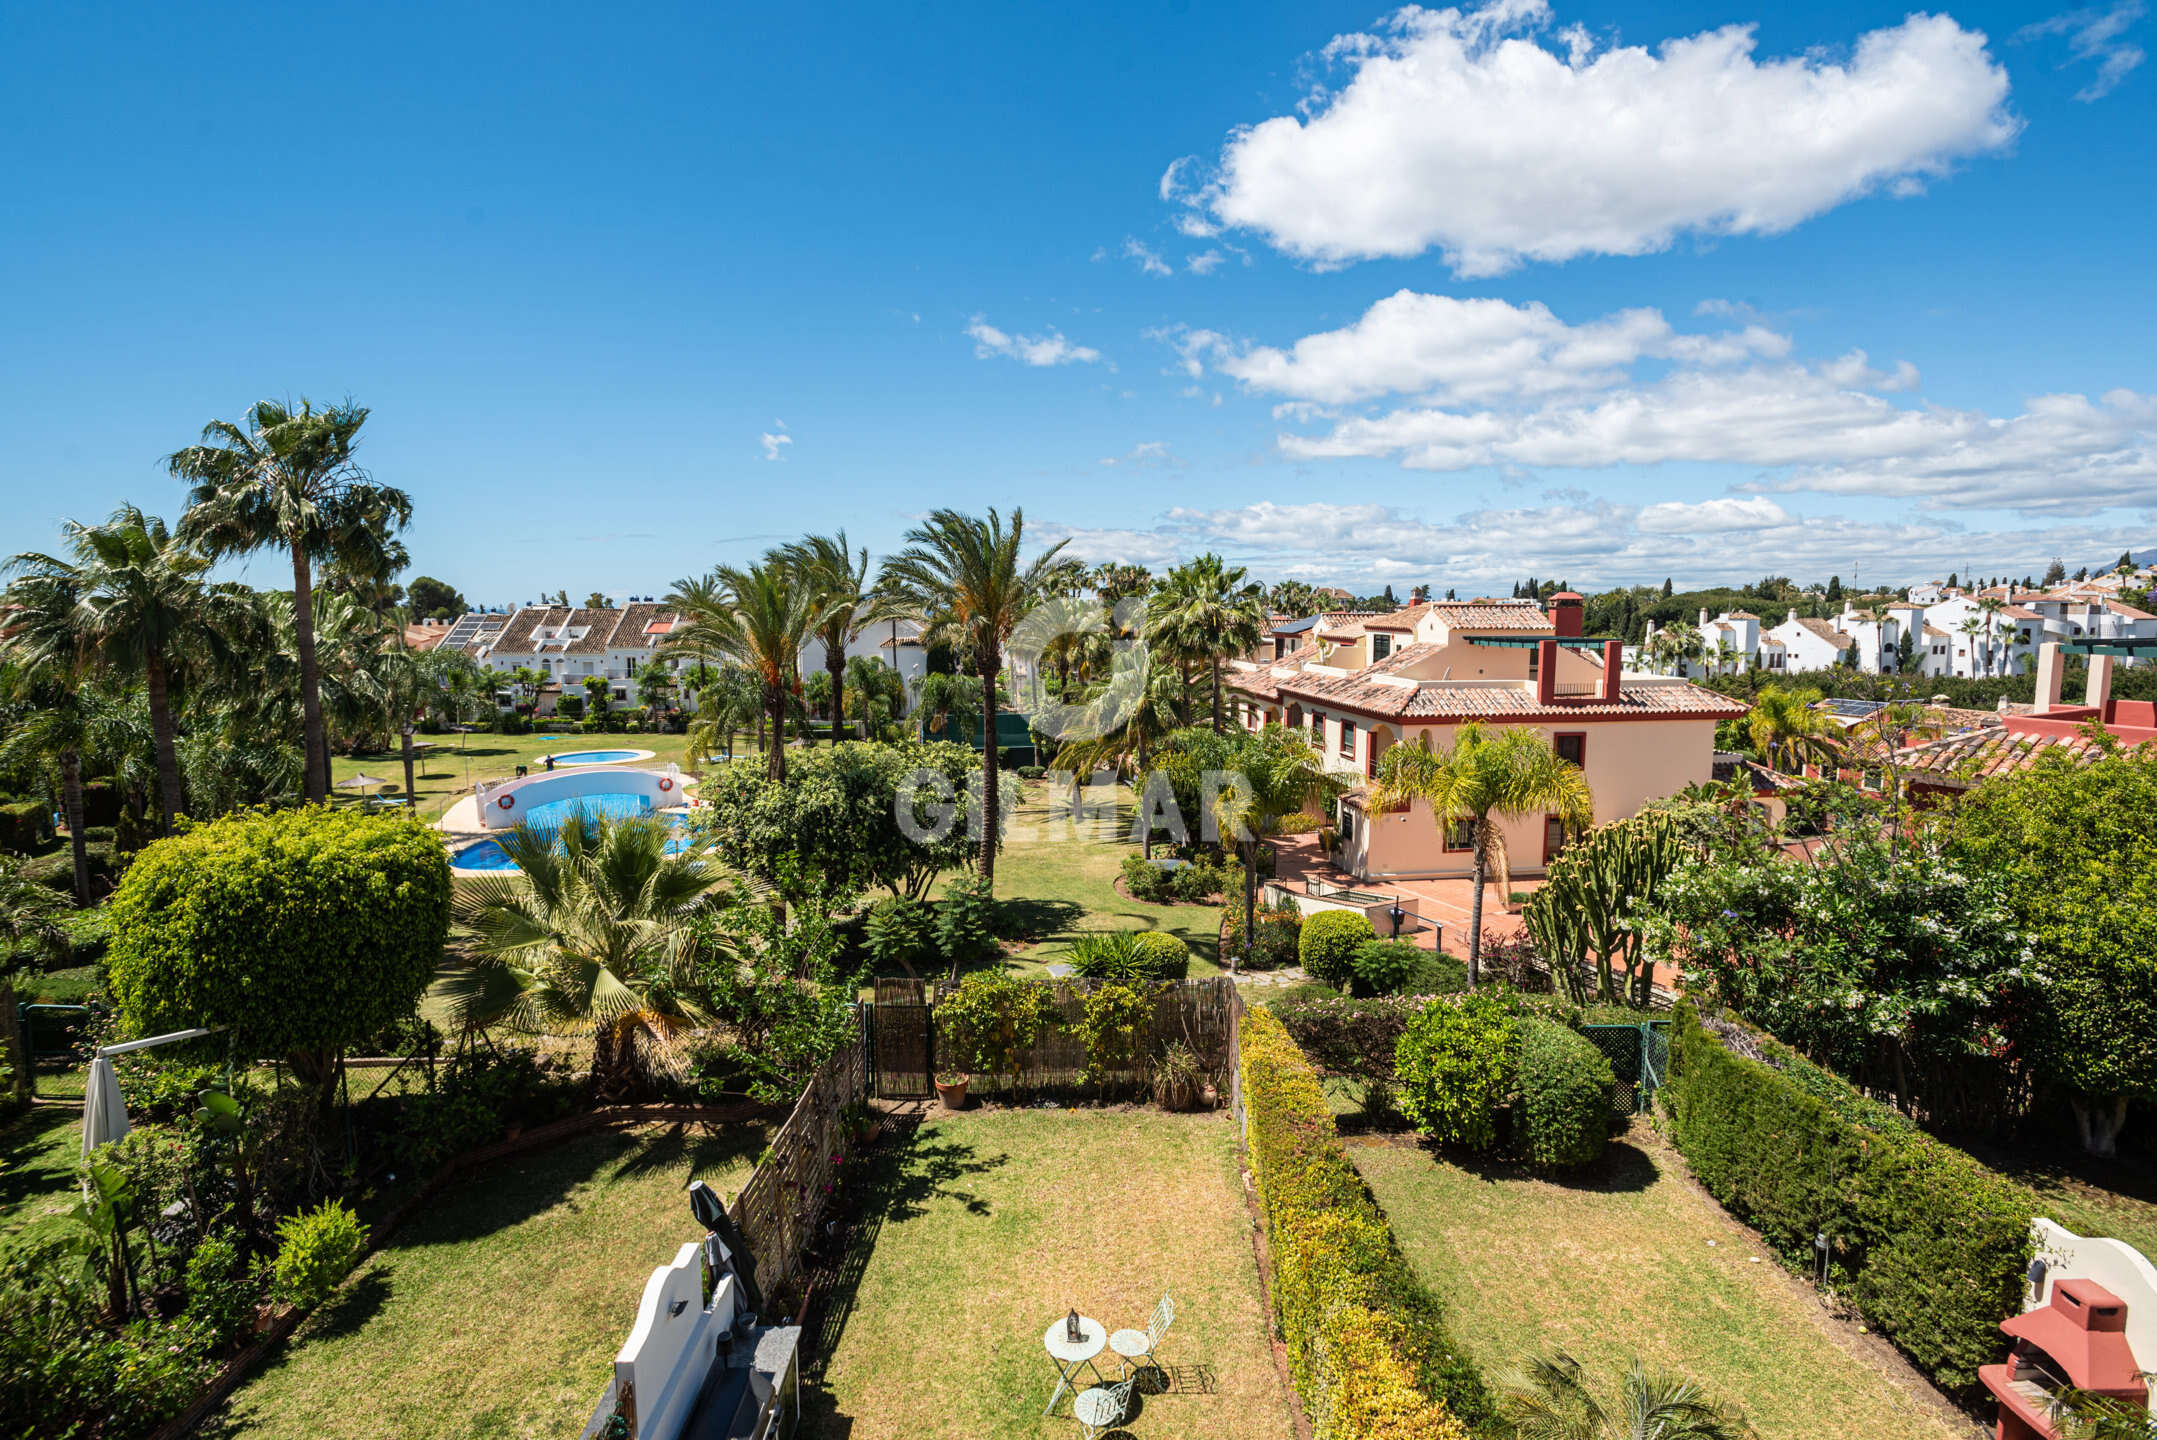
x=1640 y=1058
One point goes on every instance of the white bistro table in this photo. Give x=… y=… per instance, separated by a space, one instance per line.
x=1069 y=1354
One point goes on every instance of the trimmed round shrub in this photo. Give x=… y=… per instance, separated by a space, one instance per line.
x=315 y=1250
x=1565 y=1085
x=299 y=931
x=1329 y=943
x=1384 y=967
x=1455 y=1062
x=1165 y=957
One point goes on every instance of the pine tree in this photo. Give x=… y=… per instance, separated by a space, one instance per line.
x=1666 y=587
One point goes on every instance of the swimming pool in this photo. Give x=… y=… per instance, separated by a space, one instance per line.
x=595 y=757
x=549 y=818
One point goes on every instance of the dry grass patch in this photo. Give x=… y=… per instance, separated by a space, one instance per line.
x=1620 y=1263
x=994 y=1223
x=497 y=1310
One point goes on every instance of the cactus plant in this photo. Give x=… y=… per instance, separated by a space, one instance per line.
x=1584 y=910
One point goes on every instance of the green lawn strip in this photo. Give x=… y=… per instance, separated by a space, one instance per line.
x=497 y=1310
x=998 y=1221
x=1619 y=1263
x=457 y=762
x=38 y=1152
x=1055 y=884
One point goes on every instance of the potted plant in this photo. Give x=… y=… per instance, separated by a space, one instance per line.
x=951 y=1088
x=987 y=1027
x=1178 y=1078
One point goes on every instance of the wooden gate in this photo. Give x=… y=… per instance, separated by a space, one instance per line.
x=905 y=1046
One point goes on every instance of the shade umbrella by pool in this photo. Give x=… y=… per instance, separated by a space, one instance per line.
x=364 y=783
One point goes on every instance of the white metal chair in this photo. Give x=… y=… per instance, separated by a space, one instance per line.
x=1132 y=1345
x=1103 y=1407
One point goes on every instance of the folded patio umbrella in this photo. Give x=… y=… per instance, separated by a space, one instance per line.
x=104 y=1113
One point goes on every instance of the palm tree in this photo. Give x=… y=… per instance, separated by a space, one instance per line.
x=1487 y=777
x=1271 y=773
x=128 y=605
x=29 y=929
x=724 y=704
x=70 y=724
x=1787 y=729
x=1970 y=629
x=839 y=580
x=601 y=933
x=961 y=577
x=760 y=617
x=1726 y=655
x=1124 y=718
x=1205 y=611
x=1553 y=1401
x=1989 y=607
x=287 y=478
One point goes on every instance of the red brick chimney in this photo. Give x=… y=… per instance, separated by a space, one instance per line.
x=1566 y=614
x=1613 y=668
x=1546 y=671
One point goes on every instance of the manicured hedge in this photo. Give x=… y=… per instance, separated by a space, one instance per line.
x=1930 y=1245
x=1367 y=1343
x=1563 y=1114
x=1329 y=943
x=24 y=825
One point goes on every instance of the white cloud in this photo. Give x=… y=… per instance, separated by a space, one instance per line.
x=2092 y=34
x=1464 y=350
x=1467 y=384
x=1049 y=349
x=1204 y=263
x=1711 y=516
x=1586 y=541
x=1462 y=130
x=2063 y=455
x=1145 y=453
x=1147 y=258
x=772 y=443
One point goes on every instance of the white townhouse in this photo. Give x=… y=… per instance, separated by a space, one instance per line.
x=570 y=645
x=1805 y=644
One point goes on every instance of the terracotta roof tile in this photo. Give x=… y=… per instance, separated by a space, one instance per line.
x=1404 y=618
x=1825 y=631
x=1491 y=615
x=1977 y=755
x=1366 y=694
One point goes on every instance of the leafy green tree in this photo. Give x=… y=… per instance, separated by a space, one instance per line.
x=432 y=599
x=128 y=603
x=961 y=577
x=1553 y=1400
x=600 y=932
x=838 y=579
x=2074 y=849
x=836 y=818
x=287 y=478
x=296 y=932
x=1297 y=599
x=1488 y=777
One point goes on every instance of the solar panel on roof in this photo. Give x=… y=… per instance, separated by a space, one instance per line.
x=1850 y=709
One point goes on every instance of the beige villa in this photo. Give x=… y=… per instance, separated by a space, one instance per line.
x=1360 y=684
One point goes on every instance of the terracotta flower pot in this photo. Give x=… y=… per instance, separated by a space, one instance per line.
x=953 y=1093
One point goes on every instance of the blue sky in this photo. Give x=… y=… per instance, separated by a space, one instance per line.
x=1580 y=288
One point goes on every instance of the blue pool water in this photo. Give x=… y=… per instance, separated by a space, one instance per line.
x=548 y=819
x=595 y=757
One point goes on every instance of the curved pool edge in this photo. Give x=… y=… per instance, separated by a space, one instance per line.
x=568 y=759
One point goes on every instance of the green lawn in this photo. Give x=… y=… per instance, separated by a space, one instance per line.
x=38 y=1151
x=2115 y=1198
x=994 y=1223
x=497 y=1310
x=1054 y=884
x=456 y=762
x=1620 y=1262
